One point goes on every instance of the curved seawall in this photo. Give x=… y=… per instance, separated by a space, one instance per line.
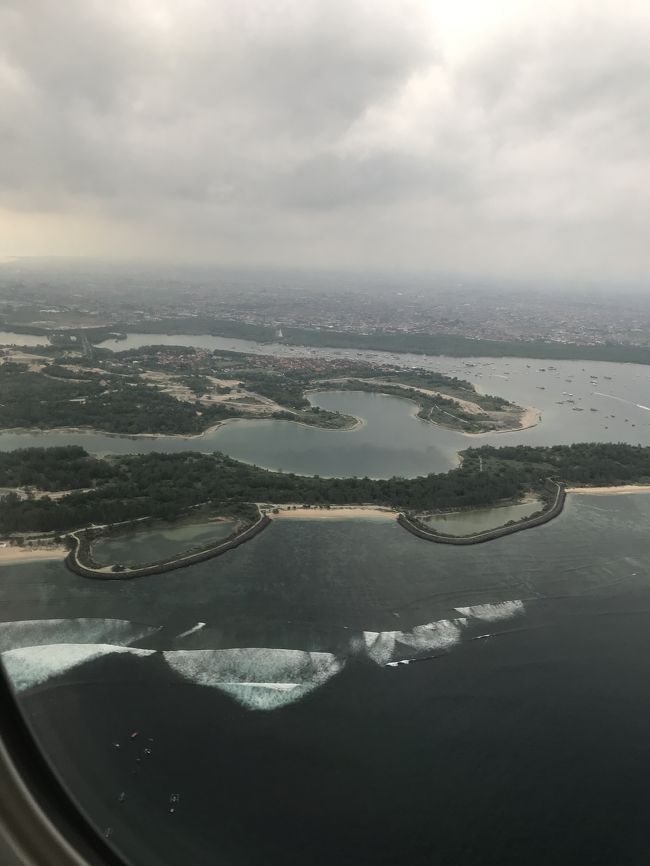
x=499 y=532
x=73 y=563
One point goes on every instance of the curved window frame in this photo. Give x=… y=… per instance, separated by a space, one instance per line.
x=39 y=820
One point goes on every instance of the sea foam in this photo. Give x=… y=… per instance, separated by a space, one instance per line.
x=32 y=666
x=33 y=632
x=257 y=677
x=494 y=612
x=387 y=646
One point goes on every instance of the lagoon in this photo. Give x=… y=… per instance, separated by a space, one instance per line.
x=141 y=546
x=477 y=520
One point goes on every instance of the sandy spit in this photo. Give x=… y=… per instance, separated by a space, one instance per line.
x=530 y=418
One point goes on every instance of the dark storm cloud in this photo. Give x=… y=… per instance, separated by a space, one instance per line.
x=303 y=130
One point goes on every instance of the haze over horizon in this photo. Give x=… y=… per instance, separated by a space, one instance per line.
x=502 y=140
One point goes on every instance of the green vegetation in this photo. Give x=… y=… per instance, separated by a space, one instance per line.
x=588 y=463
x=166 y=485
x=179 y=390
x=114 y=404
x=66 y=467
x=56 y=371
x=451 y=386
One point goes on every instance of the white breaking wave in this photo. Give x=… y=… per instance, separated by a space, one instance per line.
x=384 y=647
x=494 y=612
x=257 y=677
x=265 y=696
x=34 y=665
x=192 y=630
x=33 y=632
x=380 y=645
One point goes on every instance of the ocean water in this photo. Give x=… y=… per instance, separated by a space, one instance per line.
x=343 y=692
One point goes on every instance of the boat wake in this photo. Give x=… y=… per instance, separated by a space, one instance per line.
x=193 y=630
x=621 y=400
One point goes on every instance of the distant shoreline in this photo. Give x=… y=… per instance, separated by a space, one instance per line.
x=31 y=431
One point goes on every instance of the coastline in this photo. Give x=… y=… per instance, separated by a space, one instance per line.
x=12 y=554
x=19 y=431
x=531 y=417
x=372 y=512
x=615 y=490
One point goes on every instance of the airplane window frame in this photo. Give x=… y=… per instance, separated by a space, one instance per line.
x=39 y=820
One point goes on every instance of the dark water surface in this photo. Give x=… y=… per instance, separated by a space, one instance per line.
x=146 y=545
x=527 y=747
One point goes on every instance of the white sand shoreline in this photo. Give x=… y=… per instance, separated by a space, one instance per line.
x=530 y=418
x=13 y=554
x=299 y=512
x=610 y=491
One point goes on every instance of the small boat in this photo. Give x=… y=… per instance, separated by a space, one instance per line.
x=122 y=797
x=134 y=735
x=174 y=800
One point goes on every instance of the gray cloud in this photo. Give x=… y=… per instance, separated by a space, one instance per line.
x=345 y=132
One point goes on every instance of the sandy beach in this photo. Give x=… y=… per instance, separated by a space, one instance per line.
x=335 y=512
x=530 y=418
x=610 y=491
x=13 y=554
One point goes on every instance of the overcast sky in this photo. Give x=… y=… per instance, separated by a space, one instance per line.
x=480 y=136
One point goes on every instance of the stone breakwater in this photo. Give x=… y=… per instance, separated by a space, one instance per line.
x=74 y=563
x=529 y=523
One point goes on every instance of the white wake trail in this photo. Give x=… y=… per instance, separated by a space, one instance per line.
x=192 y=630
